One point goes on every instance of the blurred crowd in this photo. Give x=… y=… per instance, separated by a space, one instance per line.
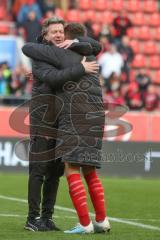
x=119 y=84
x=138 y=91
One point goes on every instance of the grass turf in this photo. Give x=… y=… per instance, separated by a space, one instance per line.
x=136 y=200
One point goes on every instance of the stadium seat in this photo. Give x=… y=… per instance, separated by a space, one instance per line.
x=2 y=13
x=156 y=33
x=150 y=47
x=96 y=28
x=117 y=5
x=107 y=17
x=133 y=5
x=154 y=62
x=60 y=13
x=99 y=17
x=144 y=33
x=158 y=47
x=156 y=77
x=4 y=3
x=133 y=32
x=154 y=20
x=104 y=17
x=149 y=6
x=85 y=4
x=101 y=5
x=88 y=15
x=138 y=19
x=135 y=45
x=73 y=15
x=130 y=32
x=139 y=61
x=4 y=28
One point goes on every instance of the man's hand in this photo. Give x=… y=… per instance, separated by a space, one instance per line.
x=66 y=44
x=90 y=67
x=29 y=75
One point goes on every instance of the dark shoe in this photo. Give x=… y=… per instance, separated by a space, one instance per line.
x=50 y=225
x=35 y=224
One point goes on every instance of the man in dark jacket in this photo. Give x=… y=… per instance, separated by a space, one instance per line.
x=62 y=58
x=80 y=129
x=43 y=170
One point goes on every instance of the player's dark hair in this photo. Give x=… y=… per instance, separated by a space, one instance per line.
x=74 y=30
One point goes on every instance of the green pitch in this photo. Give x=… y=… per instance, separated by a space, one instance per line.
x=133 y=204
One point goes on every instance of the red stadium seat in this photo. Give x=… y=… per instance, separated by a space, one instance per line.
x=156 y=77
x=139 y=61
x=135 y=45
x=101 y=5
x=138 y=19
x=83 y=16
x=2 y=13
x=88 y=15
x=99 y=17
x=133 y=32
x=4 y=3
x=60 y=13
x=156 y=33
x=107 y=17
x=96 y=28
x=104 y=17
x=149 y=6
x=154 y=20
x=4 y=29
x=154 y=62
x=117 y=5
x=144 y=33
x=150 y=47
x=85 y=4
x=73 y=15
x=133 y=5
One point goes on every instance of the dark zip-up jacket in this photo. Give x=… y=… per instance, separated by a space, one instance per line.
x=81 y=119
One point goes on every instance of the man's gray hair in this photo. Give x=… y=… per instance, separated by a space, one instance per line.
x=49 y=21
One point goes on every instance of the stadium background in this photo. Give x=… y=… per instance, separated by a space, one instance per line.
x=127 y=157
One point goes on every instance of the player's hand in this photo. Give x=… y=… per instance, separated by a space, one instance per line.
x=90 y=67
x=29 y=75
x=66 y=44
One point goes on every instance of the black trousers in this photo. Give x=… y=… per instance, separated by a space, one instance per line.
x=43 y=178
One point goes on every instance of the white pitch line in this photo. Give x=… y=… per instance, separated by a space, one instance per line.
x=11 y=215
x=135 y=224
x=142 y=219
x=13 y=199
x=119 y=220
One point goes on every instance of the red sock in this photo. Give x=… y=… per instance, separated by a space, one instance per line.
x=97 y=195
x=79 y=199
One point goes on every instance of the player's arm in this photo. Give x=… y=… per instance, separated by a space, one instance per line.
x=54 y=77
x=96 y=47
x=41 y=52
x=57 y=77
x=47 y=53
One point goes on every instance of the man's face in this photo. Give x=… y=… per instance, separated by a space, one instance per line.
x=55 y=33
